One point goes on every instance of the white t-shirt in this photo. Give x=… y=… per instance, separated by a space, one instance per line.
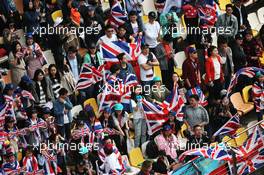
x=112 y=163
x=105 y=39
x=137 y=114
x=217 y=69
x=145 y=75
x=134 y=27
x=152 y=33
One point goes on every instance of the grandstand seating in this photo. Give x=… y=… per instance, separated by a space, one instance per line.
x=75 y=110
x=254 y=21
x=246 y=94
x=239 y=104
x=136 y=157
x=179 y=58
x=241 y=138
x=92 y=103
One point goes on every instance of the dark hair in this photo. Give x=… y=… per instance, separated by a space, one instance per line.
x=37 y=72
x=57 y=75
x=120 y=56
x=122 y=27
x=221 y=40
x=106 y=138
x=108 y=27
x=144 y=46
x=63 y=91
x=194 y=96
x=210 y=50
x=14 y=44
x=229 y=5
x=108 y=151
x=196 y=126
x=132 y=13
x=146 y=165
x=114 y=68
x=72 y=49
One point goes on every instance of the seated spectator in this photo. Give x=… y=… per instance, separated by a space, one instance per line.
x=198 y=139
x=168 y=142
x=195 y=114
x=55 y=79
x=158 y=92
x=30 y=162
x=146 y=168
x=252 y=49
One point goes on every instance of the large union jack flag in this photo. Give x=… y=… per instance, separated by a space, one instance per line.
x=155 y=116
x=230 y=126
x=207 y=12
x=251 y=155
x=118 y=15
x=89 y=75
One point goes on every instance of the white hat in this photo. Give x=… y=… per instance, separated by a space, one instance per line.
x=57 y=21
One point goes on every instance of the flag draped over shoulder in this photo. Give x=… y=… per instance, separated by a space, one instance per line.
x=89 y=75
x=247 y=71
x=118 y=15
x=230 y=126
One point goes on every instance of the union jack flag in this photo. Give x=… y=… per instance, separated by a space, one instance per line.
x=175 y=102
x=155 y=116
x=258 y=94
x=118 y=15
x=89 y=75
x=78 y=133
x=251 y=155
x=219 y=152
x=3 y=109
x=247 y=71
x=27 y=94
x=207 y=12
x=230 y=126
x=48 y=156
x=197 y=91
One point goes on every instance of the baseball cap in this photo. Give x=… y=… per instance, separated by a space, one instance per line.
x=156 y=79
x=152 y=15
x=167 y=127
x=191 y=50
x=118 y=107
x=9 y=86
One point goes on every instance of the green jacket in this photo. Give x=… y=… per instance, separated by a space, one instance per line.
x=165 y=25
x=87 y=58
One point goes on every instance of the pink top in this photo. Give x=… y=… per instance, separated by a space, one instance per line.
x=169 y=145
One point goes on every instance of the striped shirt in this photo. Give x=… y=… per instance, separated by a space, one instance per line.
x=42 y=97
x=56 y=86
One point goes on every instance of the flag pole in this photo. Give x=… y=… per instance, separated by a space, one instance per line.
x=238 y=134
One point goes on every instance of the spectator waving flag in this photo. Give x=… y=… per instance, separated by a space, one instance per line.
x=155 y=116
x=197 y=91
x=207 y=12
x=175 y=102
x=27 y=94
x=251 y=155
x=230 y=126
x=247 y=71
x=118 y=15
x=3 y=109
x=89 y=75
x=219 y=152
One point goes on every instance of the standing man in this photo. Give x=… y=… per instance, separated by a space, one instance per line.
x=62 y=112
x=239 y=10
x=152 y=30
x=228 y=22
x=147 y=61
x=190 y=69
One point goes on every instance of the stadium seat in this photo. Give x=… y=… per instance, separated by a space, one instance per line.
x=231 y=142
x=261 y=15
x=223 y=4
x=179 y=58
x=56 y=14
x=91 y=102
x=241 y=138
x=75 y=110
x=157 y=71
x=237 y=100
x=246 y=94
x=3 y=59
x=254 y=21
x=136 y=157
x=82 y=52
x=183 y=128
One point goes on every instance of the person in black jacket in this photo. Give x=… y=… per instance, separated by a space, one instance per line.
x=239 y=11
x=239 y=56
x=134 y=25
